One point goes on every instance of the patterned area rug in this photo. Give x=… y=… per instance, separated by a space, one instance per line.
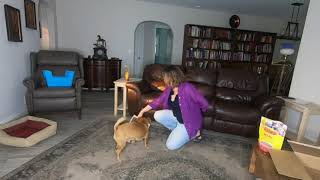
x=90 y=155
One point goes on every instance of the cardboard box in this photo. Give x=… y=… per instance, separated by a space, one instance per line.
x=302 y=163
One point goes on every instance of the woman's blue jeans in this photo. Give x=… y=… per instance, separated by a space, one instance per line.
x=178 y=136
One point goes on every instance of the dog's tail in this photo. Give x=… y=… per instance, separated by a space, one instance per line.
x=119 y=122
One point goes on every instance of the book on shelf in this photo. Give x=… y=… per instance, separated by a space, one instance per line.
x=223 y=34
x=195 y=43
x=206 y=44
x=266 y=39
x=266 y=48
x=196 y=31
x=220 y=45
x=262 y=58
x=241 y=56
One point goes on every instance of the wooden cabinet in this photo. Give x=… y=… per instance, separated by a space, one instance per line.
x=101 y=73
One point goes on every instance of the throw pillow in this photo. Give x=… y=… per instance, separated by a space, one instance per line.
x=58 y=81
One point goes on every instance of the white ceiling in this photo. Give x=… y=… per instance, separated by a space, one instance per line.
x=268 y=8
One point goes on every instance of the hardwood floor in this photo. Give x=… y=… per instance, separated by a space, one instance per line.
x=96 y=105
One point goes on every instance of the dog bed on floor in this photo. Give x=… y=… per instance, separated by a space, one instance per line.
x=26 y=131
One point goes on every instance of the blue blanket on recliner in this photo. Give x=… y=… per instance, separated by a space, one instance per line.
x=58 y=81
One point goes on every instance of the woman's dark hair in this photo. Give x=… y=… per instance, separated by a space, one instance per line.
x=175 y=74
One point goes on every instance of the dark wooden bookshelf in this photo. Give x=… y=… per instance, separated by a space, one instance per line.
x=205 y=44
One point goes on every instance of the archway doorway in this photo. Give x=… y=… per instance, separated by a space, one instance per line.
x=152 y=44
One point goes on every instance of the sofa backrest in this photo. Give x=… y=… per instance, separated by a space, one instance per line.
x=57 y=62
x=229 y=84
x=203 y=80
x=241 y=86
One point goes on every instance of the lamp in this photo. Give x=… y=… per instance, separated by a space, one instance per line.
x=286 y=50
x=283 y=70
x=291 y=31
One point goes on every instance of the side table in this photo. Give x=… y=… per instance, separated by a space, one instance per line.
x=122 y=83
x=306 y=109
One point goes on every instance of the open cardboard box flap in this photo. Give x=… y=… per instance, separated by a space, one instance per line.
x=303 y=163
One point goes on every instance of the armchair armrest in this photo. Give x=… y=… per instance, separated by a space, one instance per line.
x=135 y=90
x=269 y=106
x=29 y=83
x=79 y=83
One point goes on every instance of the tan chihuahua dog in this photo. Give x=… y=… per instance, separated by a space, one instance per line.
x=135 y=130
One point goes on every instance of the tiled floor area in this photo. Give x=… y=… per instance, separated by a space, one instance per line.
x=96 y=105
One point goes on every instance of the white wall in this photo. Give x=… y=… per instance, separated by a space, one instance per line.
x=305 y=83
x=14 y=64
x=79 y=21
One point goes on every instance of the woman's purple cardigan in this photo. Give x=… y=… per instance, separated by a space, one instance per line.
x=191 y=105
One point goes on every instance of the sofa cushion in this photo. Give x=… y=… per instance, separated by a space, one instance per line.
x=233 y=95
x=237 y=79
x=237 y=112
x=53 y=92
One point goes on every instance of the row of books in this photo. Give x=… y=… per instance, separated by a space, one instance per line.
x=240 y=56
x=244 y=47
x=196 y=31
x=245 y=36
x=207 y=32
x=197 y=64
x=266 y=39
x=203 y=32
x=211 y=44
x=266 y=48
x=264 y=58
x=218 y=55
x=208 y=54
x=223 y=34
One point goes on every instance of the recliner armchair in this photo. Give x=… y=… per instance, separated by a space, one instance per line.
x=39 y=97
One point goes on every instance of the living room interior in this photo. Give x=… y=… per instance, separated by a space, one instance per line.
x=240 y=55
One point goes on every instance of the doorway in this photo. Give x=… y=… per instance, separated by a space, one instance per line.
x=152 y=44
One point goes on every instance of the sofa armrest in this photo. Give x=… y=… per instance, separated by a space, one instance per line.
x=135 y=90
x=79 y=83
x=269 y=106
x=29 y=83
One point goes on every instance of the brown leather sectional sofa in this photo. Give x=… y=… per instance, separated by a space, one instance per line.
x=237 y=97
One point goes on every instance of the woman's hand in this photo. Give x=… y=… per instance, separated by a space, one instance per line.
x=140 y=114
x=145 y=109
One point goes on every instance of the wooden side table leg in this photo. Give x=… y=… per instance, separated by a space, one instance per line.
x=124 y=101
x=285 y=118
x=303 y=125
x=115 y=100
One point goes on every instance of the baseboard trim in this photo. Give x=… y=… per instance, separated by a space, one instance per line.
x=13 y=117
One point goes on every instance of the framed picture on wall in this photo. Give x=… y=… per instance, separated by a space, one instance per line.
x=13 y=22
x=30 y=14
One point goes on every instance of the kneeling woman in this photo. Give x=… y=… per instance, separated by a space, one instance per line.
x=182 y=109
